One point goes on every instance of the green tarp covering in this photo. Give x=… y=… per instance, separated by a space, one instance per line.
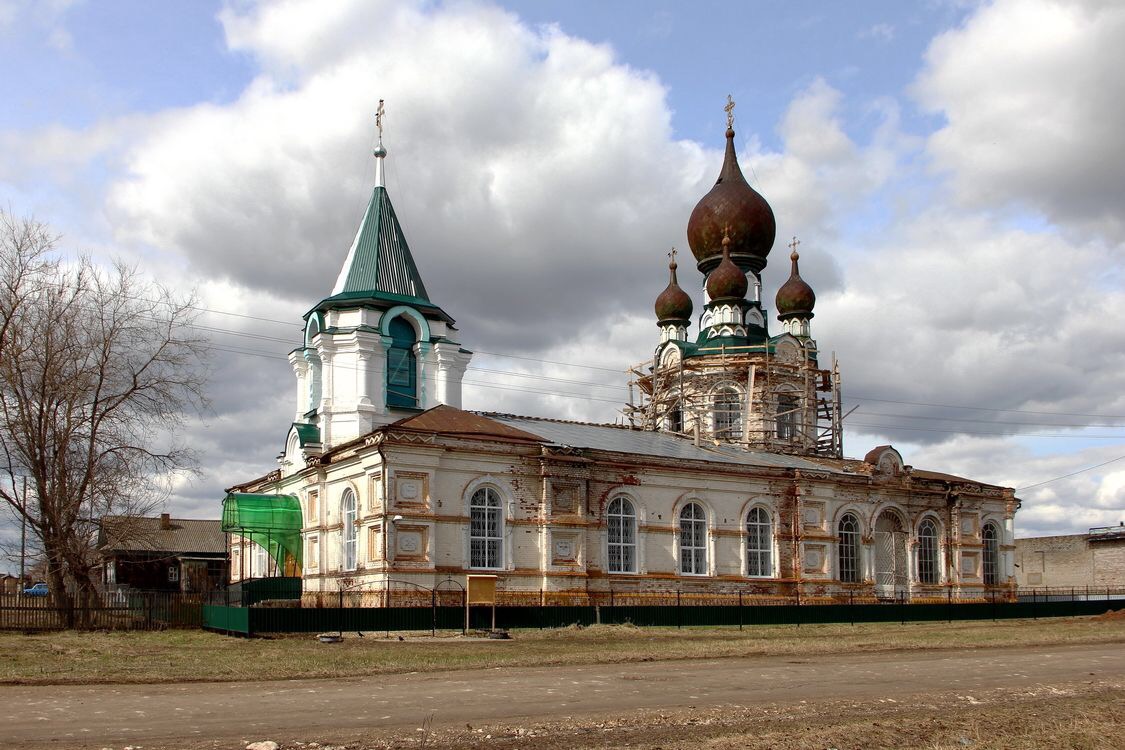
x=270 y=521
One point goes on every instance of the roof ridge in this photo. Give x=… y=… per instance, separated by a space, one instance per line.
x=503 y=415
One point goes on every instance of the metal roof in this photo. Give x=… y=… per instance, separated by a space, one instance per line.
x=379 y=259
x=659 y=444
x=144 y=534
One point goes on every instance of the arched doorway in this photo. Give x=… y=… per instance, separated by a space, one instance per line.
x=890 y=555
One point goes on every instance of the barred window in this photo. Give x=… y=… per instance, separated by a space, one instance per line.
x=759 y=544
x=991 y=538
x=727 y=414
x=621 y=522
x=693 y=540
x=348 y=512
x=928 y=552
x=848 y=549
x=486 y=522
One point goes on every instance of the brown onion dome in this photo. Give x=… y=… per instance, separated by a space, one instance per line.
x=732 y=203
x=673 y=303
x=727 y=281
x=795 y=298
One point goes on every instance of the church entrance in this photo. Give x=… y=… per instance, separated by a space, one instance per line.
x=890 y=555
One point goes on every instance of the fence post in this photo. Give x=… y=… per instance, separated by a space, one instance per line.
x=740 y=610
x=433 y=613
x=679 y=615
x=902 y=607
x=851 y=606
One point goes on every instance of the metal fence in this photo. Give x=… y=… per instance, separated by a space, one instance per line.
x=106 y=610
x=676 y=611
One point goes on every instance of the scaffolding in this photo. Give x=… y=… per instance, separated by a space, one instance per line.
x=786 y=404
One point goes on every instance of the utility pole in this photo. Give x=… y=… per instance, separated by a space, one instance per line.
x=23 y=534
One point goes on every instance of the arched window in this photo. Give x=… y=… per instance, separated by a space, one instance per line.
x=788 y=406
x=848 y=549
x=402 y=365
x=486 y=529
x=347 y=510
x=621 y=524
x=928 y=552
x=759 y=544
x=727 y=414
x=991 y=562
x=693 y=540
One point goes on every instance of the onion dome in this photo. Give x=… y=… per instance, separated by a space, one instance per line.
x=732 y=204
x=673 y=303
x=795 y=298
x=727 y=281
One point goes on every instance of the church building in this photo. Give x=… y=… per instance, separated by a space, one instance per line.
x=730 y=479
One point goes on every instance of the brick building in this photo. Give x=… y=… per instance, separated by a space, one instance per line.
x=1073 y=560
x=730 y=479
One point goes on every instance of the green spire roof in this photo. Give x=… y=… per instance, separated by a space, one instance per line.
x=379 y=261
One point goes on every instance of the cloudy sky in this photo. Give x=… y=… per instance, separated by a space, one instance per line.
x=955 y=170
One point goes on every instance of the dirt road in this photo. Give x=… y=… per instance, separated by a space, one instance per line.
x=230 y=714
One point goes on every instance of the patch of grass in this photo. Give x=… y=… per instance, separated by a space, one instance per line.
x=175 y=656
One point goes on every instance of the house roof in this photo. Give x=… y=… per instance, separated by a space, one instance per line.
x=144 y=534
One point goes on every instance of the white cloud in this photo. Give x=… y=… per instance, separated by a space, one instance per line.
x=1033 y=98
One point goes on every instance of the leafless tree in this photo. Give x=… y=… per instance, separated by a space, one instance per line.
x=98 y=370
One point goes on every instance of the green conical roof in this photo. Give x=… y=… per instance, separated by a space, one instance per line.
x=379 y=261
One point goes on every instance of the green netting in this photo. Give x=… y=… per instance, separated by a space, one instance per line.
x=270 y=521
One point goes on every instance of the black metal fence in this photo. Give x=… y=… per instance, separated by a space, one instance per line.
x=677 y=612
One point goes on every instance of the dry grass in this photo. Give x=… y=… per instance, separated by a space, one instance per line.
x=175 y=656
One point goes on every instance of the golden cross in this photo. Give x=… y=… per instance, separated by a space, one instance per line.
x=379 y=114
x=794 y=243
x=729 y=109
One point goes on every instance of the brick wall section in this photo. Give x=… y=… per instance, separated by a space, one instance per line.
x=1072 y=560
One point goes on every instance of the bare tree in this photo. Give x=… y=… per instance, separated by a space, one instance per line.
x=98 y=370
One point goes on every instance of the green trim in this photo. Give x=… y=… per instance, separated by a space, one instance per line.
x=306 y=433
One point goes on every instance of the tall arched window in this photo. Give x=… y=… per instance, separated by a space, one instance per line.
x=759 y=544
x=928 y=552
x=727 y=414
x=788 y=406
x=693 y=540
x=621 y=524
x=402 y=365
x=991 y=562
x=486 y=529
x=676 y=419
x=848 y=549
x=347 y=510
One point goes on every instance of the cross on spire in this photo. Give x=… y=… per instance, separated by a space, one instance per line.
x=793 y=245
x=729 y=109
x=379 y=114
x=672 y=254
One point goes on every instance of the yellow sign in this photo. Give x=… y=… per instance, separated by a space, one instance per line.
x=481 y=589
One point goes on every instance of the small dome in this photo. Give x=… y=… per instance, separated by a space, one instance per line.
x=673 y=303
x=795 y=298
x=727 y=281
x=732 y=204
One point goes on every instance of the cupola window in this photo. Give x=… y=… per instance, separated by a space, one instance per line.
x=402 y=365
x=727 y=415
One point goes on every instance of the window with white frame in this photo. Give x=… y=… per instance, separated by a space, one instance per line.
x=693 y=540
x=847 y=549
x=928 y=571
x=727 y=414
x=486 y=529
x=759 y=544
x=621 y=525
x=991 y=560
x=348 y=511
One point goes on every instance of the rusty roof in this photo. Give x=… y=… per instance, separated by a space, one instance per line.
x=449 y=420
x=144 y=534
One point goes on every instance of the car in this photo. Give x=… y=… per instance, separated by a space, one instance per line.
x=39 y=589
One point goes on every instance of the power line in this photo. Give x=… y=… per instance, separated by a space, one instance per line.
x=1071 y=474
